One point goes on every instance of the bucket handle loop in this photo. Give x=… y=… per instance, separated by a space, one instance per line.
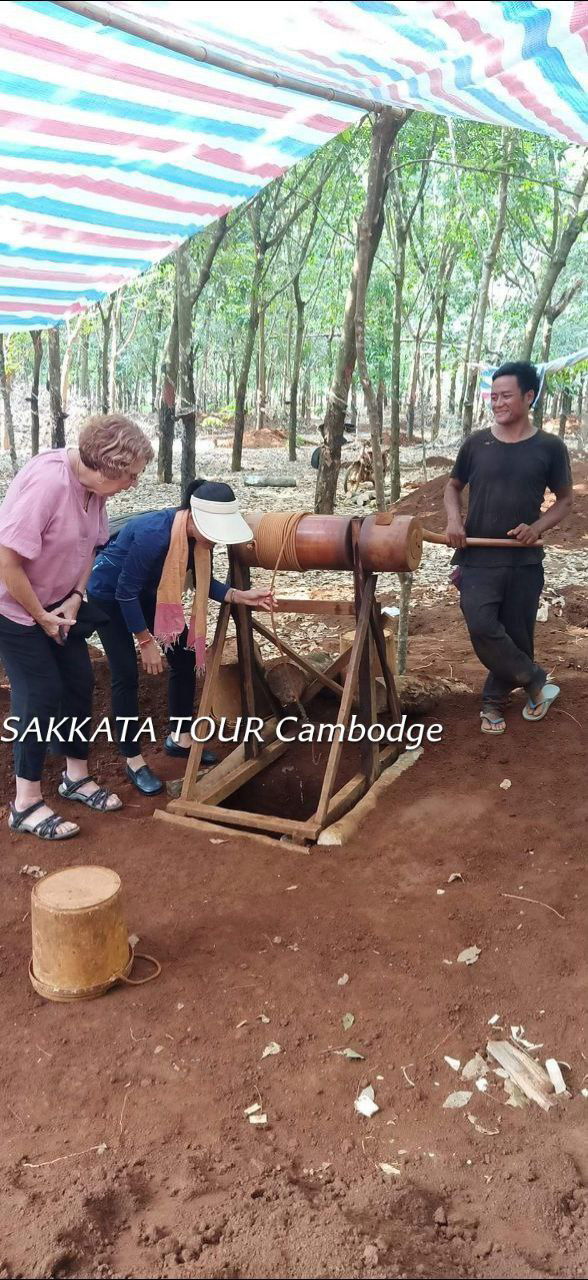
x=138 y=982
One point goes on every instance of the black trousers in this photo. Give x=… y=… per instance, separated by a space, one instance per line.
x=119 y=647
x=500 y=606
x=46 y=679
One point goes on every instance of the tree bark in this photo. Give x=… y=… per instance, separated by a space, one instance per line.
x=7 y=406
x=84 y=381
x=296 y=362
x=106 y=317
x=326 y=486
x=384 y=132
x=467 y=354
x=246 y=358
x=412 y=394
x=73 y=334
x=568 y=234
x=260 y=407
x=566 y=404
x=54 y=382
x=167 y=402
x=37 y=341
x=489 y=263
x=186 y=410
x=452 y=388
x=552 y=312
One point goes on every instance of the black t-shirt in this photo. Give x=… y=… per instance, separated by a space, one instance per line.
x=507 y=484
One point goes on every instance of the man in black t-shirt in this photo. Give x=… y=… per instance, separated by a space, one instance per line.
x=507 y=468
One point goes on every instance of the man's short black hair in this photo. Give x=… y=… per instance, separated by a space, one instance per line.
x=524 y=372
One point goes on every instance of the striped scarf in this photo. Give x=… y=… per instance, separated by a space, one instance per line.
x=169 y=612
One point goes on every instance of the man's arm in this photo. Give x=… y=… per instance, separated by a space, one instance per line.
x=455 y=529
x=528 y=533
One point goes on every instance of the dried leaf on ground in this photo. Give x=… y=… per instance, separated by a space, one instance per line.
x=458 y=1099
x=343 y=980
x=506 y=785
x=271 y=1049
x=351 y=1054
x=390 y=1170
x=469 y=956
x=348 y=1019
x=454 y=1063
x=492 y=1133
x=474 y=1068
x=456 y=875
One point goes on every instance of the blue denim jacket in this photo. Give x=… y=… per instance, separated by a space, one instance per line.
x=131 y=565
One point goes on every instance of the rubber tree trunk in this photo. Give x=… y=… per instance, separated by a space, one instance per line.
x=467 y=353
x=384 y=132
x=296 y=362
x=261 y=397
x=399 y=274
x=167 y=402
x=84 y=379
x=37 y=341
x=106 y=317
x=488 y=266
x=186 y=409
x=412 y=393
x=154 y=354
x=440 y=311
x=568 y=235
x=73 y=334
x=246 y=358
x=452 y=389
x=566 y=405
x=7 y=406
x=54 y=381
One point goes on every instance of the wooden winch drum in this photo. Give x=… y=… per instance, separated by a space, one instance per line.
x=324 y=542
x=80 y=940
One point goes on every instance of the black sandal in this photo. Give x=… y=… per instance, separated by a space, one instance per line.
x=98 y=800
x=44 y=830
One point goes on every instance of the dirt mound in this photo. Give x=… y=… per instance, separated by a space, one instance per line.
x=438 y=460
x=265 y=438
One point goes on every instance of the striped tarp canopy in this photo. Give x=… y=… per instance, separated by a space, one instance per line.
x=114 y=149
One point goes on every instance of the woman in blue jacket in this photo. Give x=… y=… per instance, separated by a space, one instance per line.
x=137 y=583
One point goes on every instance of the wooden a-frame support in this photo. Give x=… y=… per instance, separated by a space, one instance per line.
x=202 y=798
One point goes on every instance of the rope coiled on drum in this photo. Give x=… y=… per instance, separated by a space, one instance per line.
x=275 y=540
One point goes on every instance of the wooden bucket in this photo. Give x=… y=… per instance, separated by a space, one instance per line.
x=80 y=940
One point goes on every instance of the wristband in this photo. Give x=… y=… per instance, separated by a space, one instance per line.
x=77 y=592
x=143 y=643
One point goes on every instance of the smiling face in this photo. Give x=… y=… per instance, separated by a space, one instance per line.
x=509 y=403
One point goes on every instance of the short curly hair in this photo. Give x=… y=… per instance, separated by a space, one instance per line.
x=111 y=443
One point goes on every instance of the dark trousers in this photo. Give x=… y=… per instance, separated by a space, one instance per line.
x=46 y=679
x=119 y=647
x=500 y=608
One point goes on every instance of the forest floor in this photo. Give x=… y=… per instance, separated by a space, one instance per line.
x=126 y=1150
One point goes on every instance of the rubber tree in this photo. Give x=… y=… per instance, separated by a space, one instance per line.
x=570 y=227
x=271 y=216
x=553 y=311
x=488 y=265
x=390 y=121
x=56 y=409
x=384 y=131
x=37 y=341
x=7 y=407
x=105 y=309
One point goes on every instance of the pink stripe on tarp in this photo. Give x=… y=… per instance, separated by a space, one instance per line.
x=239 y=163
x=81 y=132
x=37 y=305
x=93 y=239
x=579 y=21
x=62 y=276
x=126 y=73
x=114 y=191
x=468 y=27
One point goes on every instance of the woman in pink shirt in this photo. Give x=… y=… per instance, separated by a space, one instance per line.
x=51 y=521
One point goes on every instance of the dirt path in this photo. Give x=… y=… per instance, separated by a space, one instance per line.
x=162 y=1074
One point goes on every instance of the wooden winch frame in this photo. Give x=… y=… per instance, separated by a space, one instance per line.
x=202 y=797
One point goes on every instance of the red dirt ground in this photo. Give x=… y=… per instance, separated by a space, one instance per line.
x=162 y=1073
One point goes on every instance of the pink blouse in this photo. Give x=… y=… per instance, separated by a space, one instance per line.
x=42 y=518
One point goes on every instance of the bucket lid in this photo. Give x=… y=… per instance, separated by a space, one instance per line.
x=76 y=888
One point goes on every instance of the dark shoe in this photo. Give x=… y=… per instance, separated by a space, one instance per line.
x=145 y=780
x=172 y=748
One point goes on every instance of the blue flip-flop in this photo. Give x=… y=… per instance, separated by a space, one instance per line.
x=550 y=693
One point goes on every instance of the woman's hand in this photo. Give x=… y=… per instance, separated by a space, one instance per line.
x=70 y=608
x=152 y=658
x=55 y=625
x=256 y=598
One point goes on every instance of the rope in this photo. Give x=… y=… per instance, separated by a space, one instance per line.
x=275 y=545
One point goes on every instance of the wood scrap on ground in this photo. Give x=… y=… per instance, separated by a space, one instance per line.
x=525 y=1073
